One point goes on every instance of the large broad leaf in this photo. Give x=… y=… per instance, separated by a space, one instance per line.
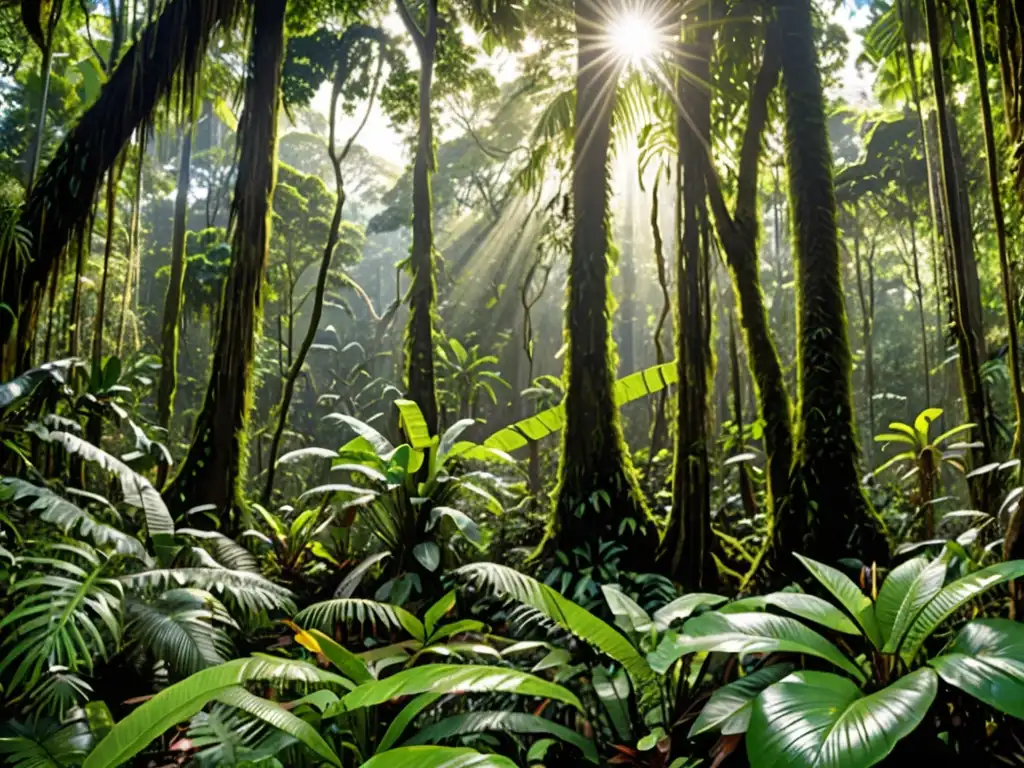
x=628 y=615
x=182 y=700
x=894 y=589
x=987 y=661
x=436 y=757
x=951 y=598
x=452 y=678
x=849 y=596
x=415 y=426
x=748 y=633
x=404 y=718
x=627 y=389
x=503 y=722
x=682 y=607
x=729 y=708
x=821 y=720
x=806 y=607
x=511 y=584
x=920 y=592
x=21 y=387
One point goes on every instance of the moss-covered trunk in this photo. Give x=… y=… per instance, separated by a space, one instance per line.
x=963 y=271
x=217 y=457
x=419 y=343
x=839 y=518
x=173 y=47
x=687 y=544
x=598 y=497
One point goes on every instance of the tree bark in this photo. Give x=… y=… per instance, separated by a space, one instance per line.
x=419 y=343
x=216 y=460
x=967 y=326
x=688 y=541
x=839 y=517
x=598 y=497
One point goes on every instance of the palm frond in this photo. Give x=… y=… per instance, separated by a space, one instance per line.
x=249 y=592
x=327 y=615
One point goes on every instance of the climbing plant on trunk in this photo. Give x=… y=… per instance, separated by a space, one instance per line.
x=217 y=457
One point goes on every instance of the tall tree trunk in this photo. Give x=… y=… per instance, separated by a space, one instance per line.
x=169 y=50
x=419 y=345
x=216 y=460
x=840 y=520
x=659 y=429
x=688 y=541
x=627 y=266
x=915 y=262
x=598 y=497
x=171 y=327
x=1009 y=293
x=866 y=298
x=739 y=235
x=340 y=77
x=966 y=327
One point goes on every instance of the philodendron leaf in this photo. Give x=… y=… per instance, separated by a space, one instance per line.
x=748 y=633
x=729 y=708
x=952 y=597
x=681 y=608
x=894 y=590
x=806 y=607
x=849 y=596
x=821 y=720
x=987 y=661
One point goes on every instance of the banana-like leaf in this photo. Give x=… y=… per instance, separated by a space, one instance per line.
x=729 y=708
x=626 y=390
x=921 y=591
x=180 y=701
x=21 y=387
x=404 y=718
x=849 y=596
x=414 y=425
x=951 y=598
x=509 y=583
x=987 y=661
x=894 y=590
x=821 y=720
x=436 y=757
x=350 y=664
x=628 y=615
x=806 y=607
x=503 y=722
x=327 y=615
x=682 y=607
x=274 y=714
x=314 y=452
x=748 y=633
x=454 y=679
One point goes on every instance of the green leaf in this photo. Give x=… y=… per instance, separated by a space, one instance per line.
x=438 y=611
x=274 y=714
x=729 y=708
x=509 y=583
x=895 y=437
x=327 y=615
x=894 y=590
x=628 y=615
x=436 y=757
x=748 y=633
x=347 y=662
x=460 y=351
x=849 y=596
x=821 y=720
x=952 y=432
x=987 y=661
x=452 y=679
x=682 y=607
x=806 y=607
x=180 y=701
x=951 y=598
x=428 y=555
x=404 y=718
x=463 y=522
x=923 y=422
x=503 y=722
x=921 y=591
x=414 y=425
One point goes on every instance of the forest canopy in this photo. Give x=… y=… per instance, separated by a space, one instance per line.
x=447 y=383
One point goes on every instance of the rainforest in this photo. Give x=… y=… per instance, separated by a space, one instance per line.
x=511 y=383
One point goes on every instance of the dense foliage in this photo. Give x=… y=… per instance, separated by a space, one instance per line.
x=441 y=384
